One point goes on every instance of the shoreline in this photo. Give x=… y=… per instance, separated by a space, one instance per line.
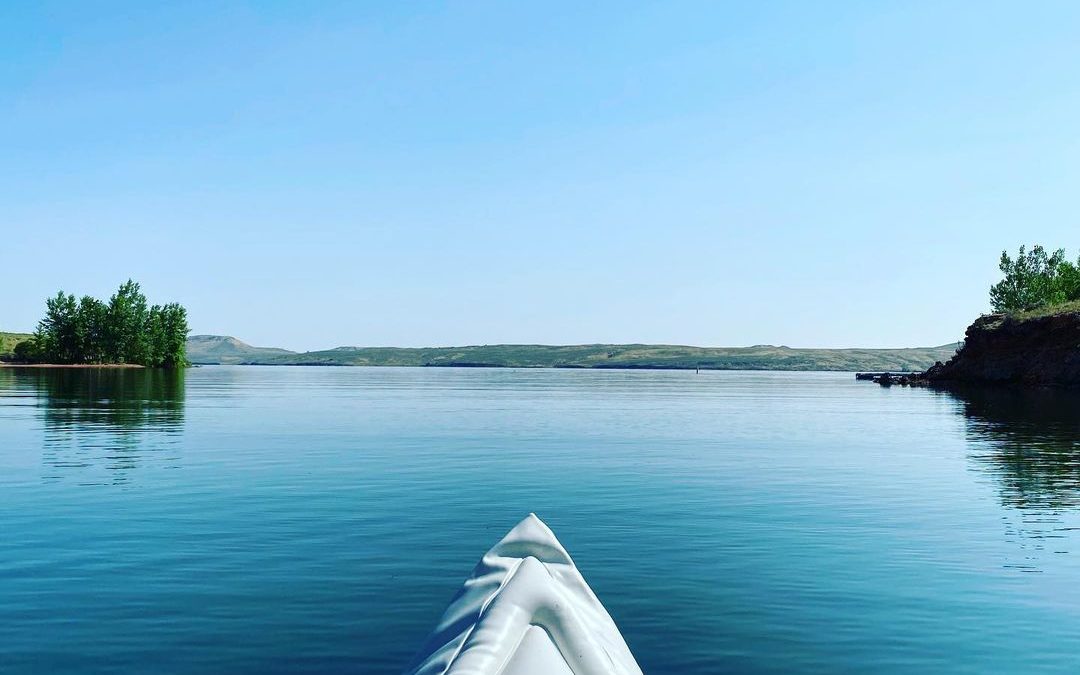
x=71 y=365
x=491 y=366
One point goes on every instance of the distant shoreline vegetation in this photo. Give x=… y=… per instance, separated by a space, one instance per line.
x=220 y=349
x=122 y=331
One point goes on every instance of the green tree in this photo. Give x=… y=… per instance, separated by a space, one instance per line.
x=171 y=348
x=57 y=333
x=91 y=322
x=1035 y=279
x=28 y=351
x=1069 y=279
x=155 y=328
x=126 y=322
x=122 y=331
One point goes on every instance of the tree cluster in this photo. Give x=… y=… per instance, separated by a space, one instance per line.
x=1035 y=279
x=124 y=330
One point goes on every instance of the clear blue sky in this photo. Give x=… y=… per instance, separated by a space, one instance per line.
x=314 y=174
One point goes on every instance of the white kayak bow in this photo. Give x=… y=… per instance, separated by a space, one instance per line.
x=526 y=610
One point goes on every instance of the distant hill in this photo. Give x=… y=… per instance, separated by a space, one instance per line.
x=222 y=349
x=9 y=340
x=759 y=357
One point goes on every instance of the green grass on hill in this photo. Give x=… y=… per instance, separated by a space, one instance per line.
x=1048 y=310
x=222 y=349
x=9 y=340
x=761 y=357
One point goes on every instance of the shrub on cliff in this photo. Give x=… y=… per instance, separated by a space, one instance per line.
x=1035 y=279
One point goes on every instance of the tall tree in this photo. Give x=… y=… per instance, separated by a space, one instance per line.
x=57 y=333
x=90 y=328
x=126 y=324
x=172 y=348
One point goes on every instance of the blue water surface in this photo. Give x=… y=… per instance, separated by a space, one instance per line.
x=236 y=519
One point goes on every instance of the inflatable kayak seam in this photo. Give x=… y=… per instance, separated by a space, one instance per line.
x=479 y=615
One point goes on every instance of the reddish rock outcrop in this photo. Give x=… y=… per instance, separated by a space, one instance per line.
x=1043 y=350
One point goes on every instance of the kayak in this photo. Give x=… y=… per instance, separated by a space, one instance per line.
x=526 y=610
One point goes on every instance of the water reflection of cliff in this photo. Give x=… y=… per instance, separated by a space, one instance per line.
x=1028 y=442
x=111 y=420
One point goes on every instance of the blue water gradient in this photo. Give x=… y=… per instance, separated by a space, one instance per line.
x=300 y=520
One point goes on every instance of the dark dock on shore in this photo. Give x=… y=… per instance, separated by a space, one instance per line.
x=888 y=378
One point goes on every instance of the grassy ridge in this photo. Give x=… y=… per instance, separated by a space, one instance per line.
x=214 y=349
x=761 y=357
x=1049 y=310
x=9 y=340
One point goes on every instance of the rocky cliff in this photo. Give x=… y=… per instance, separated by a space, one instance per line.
x=1033 y=350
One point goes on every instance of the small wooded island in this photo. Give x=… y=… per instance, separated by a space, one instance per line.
x=122 y=331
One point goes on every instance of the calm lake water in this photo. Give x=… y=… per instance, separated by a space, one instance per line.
x=288 y=520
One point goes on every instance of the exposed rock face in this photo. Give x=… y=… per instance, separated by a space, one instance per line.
x=1002 y=349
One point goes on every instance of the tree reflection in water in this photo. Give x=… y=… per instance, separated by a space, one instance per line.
x=1028 y=442
x=107 y=419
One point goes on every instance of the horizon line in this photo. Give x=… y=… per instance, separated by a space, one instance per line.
x=569 y=344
